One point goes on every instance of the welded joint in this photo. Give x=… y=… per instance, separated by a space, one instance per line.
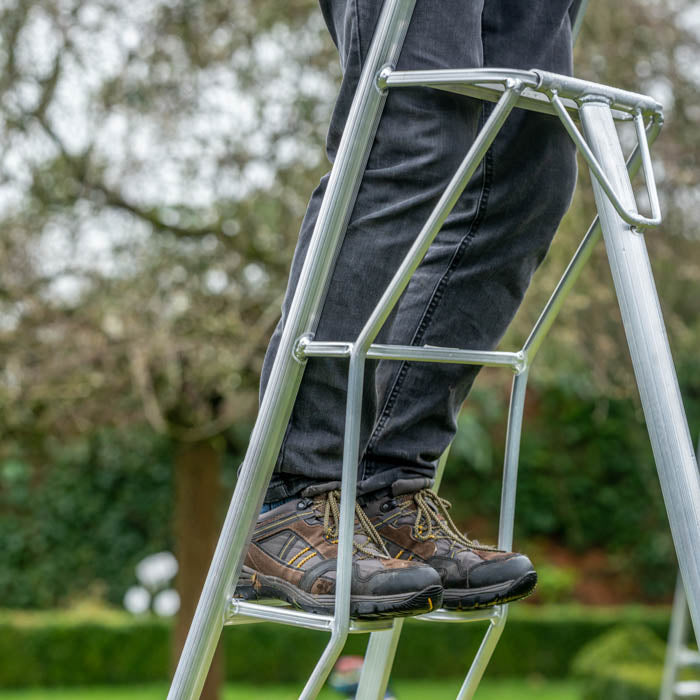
x=514 y=85
x=300 y=346
x=500 y=615
x=522 y=362
x=382 y=79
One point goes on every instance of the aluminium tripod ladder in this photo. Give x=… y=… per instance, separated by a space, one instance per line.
x=596 y=108
x=678 y=654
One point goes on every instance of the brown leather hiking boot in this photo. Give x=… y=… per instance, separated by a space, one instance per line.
x=293 y=554
x=417 y=527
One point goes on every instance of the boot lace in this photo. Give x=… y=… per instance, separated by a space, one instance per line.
x=433 y=520
x=331 y=521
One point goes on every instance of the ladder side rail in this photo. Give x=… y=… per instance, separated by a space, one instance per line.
x=677 y=654
x=516 y=410
x=348 y=489
x=576 y=14
x=628 y=213
x=381 y=649
x=287 y=371
x=511 y=460
x=358 y=355
x=437 y=217
x=650 y=352
x=483 y=656
x=676 y=639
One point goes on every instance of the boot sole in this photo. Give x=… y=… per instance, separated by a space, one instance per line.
x=253 y=585
x=488 y=596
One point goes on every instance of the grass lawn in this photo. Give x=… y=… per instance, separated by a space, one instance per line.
x=406 y=690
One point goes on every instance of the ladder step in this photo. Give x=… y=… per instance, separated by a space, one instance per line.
x=687 y=689
x=688 y=657
x=443 y=615
x=242 y=612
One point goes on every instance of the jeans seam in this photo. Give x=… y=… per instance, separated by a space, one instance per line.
x=433 y=303
x=356 y=10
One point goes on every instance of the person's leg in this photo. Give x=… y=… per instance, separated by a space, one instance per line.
x=422 y=136
x=474 y=277
x=464 y=295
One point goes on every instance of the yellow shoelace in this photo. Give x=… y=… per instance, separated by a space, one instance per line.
x=428 y=525
x=331 y=520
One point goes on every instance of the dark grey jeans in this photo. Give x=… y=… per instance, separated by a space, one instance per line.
x=474 y=276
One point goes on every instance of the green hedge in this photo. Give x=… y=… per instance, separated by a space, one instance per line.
x=110 y=647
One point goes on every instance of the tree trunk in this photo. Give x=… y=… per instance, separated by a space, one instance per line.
x=196 y=524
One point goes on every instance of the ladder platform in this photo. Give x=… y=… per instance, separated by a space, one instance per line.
x=490 y=83
x=243 y=612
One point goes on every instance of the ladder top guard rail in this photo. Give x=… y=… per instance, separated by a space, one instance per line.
x=537 y=84
x=560 y=96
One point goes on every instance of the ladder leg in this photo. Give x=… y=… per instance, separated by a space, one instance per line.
x=483 y=656
x=379 y=659
x=651 y=355
x=287 y=371
x=676 y=639
x=381 y=650
x=505 y=529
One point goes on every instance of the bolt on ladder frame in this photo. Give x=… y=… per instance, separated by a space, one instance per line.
x=569 y=99
x=678 y=654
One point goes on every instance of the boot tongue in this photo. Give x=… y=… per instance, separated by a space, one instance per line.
x=363 y=544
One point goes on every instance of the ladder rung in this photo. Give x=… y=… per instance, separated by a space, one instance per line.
x=240 y=612
x=443 y=615
x=687 y=689
x=688 y=657
x=415 y=353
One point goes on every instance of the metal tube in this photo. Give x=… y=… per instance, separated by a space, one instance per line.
x=241 y=612
x=385 y=645
x=576 y=88
x=481 y=83
x=286 y=373
x=489 y=80
x=676 y=639
x=577 y=19
x=651 y=355
x=348 y=489
x=578 y=262
x=483 y=656
x=438 y=215
x=628 y=214
x=460 y=616
x=379 y=659
x=510 y=464
x=423 y=353
x=474 y=76
x=381 y=649
x=427 y=353
x=649 y=180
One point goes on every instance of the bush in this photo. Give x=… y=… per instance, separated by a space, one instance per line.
x=71 y=648
x=625 y=663
x=80 y=522
x=587 y=475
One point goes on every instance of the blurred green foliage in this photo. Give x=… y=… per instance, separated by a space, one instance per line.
x=40 y=648
x=77 y=520
x=625 y=663
x=587 y=475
